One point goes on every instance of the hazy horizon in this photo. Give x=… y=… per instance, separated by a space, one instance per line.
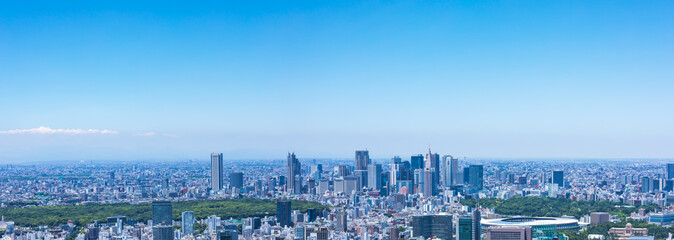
x=255 y=80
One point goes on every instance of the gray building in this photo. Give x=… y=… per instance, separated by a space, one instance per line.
x=216 y=171
x=373 y=174
x=236 y=180
x=362 y=160
x=294 y=177
x=476 y=177
x=558 y=178
x=341 y=219
x=597 y=218
x=162 y=232
x=283 y=213
x=188 y=223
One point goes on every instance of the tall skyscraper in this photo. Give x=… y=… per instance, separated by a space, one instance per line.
x=294 y=175
x=646 y=184
x=476 y=176
x=236 y=180
x=419 y=181
x=433 y=162
x=465 y=229
x=427 y=226
x=454 y=170
x=430 y=187
x=558 y=178
x=477 y=225
x=283 y=209
x=341 y=219
x=449 y=171
x=670 y=170
x=362 y=159
x=395 y=171
x=188 y=223
x=374 y=176
x=445 y=176
x=216 y=171
x=317 y=170
x=162 y=213
x=417 y=162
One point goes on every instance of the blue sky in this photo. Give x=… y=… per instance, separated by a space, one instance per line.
x=255 y=79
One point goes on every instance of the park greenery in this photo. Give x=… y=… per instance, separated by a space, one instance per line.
x=657 y=231
x=86 y=213
x=554 y=207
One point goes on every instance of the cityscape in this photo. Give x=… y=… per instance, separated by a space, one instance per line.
x=417 y=197
x=337 y=120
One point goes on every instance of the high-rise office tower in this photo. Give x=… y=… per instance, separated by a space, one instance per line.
x=646 y=184
x=449 y=170
x=464 y=231
x=430 y=187
x=419 y=181
x=162 y=220
x=454 y=171
x=188 y=223
x=427 y=226
x=294 y=175
x=374 y=176
x=162 y=213
x=283 y=213
x=433 y=162
x=341 y=219
x=317 y=170
x=476 y=176
x=395 y=171
x=236 y=180
x=417 y=162
x=670 y=170
x=477 y=225
x=445 y=177
x=362 y=159
x=558 y=178
x=216 y=171
x=343 y=171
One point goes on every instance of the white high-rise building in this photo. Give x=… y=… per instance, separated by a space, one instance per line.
x=450 y=170
x=216 y=171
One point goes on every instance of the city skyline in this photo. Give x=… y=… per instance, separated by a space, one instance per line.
x=102 y=81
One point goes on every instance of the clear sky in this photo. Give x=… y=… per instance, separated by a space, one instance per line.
x=254 y=79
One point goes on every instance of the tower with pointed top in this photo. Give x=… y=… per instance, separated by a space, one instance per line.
x=433 y=168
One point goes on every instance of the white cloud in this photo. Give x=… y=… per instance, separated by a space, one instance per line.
x=147 y=134
x=48 y=130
